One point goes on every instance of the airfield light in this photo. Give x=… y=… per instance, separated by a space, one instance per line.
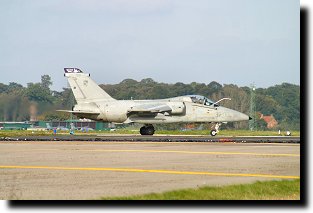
x=252 y=126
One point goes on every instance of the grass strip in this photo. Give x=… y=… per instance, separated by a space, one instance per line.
x=15 y=133
x=265 y=190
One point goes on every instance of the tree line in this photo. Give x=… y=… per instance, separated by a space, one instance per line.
x=38 y=101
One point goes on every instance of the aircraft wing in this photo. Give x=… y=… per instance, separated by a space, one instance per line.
x=148 y=109
x=80 y=112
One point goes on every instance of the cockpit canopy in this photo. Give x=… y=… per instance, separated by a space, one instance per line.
x=199 y=99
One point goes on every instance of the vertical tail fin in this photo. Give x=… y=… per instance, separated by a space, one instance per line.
x=83 y=87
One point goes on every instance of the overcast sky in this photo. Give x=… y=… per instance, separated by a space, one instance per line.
x=228 y=41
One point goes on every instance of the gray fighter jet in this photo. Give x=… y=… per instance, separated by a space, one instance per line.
x=94 y=103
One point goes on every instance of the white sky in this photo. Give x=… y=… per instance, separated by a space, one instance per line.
x=228 y=41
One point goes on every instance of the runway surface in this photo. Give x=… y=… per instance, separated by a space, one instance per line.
x=90 y=170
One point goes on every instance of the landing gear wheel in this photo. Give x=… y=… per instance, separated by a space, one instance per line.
x=213 y=132
x=215 y=128
x=143 y=130
x=147 y=130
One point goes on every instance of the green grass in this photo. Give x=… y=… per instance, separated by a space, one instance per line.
x=269 y=190
x=204 y=132
x=12 y=133
x=227 y=133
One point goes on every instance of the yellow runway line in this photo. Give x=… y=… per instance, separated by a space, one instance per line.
x=191 y=152
x=151 y=171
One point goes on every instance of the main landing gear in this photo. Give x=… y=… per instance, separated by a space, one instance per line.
x=147 y=129
x=215 y=128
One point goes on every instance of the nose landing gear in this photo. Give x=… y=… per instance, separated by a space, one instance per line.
x=215 y=129
x=147 y=130
x=213 y=132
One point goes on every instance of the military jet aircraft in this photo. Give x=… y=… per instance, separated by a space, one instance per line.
x=94 y=103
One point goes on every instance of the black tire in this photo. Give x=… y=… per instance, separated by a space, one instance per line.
x=143 y=130
x=149 y=130
x=213 y=132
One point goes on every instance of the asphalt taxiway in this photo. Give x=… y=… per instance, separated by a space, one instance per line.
x=90 y=170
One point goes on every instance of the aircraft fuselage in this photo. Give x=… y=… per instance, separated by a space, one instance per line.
x=118 y=112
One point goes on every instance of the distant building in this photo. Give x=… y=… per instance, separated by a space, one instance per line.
x=12 y=125
x=270 y=120
x=77 y=124
x=190 y=126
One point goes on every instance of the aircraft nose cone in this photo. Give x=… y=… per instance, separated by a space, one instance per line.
x=242 y=117
x=239 y=116
x=232 y=115
x=250 y=118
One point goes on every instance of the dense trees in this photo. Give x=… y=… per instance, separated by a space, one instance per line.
x=283 y=101
x=18 y=103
